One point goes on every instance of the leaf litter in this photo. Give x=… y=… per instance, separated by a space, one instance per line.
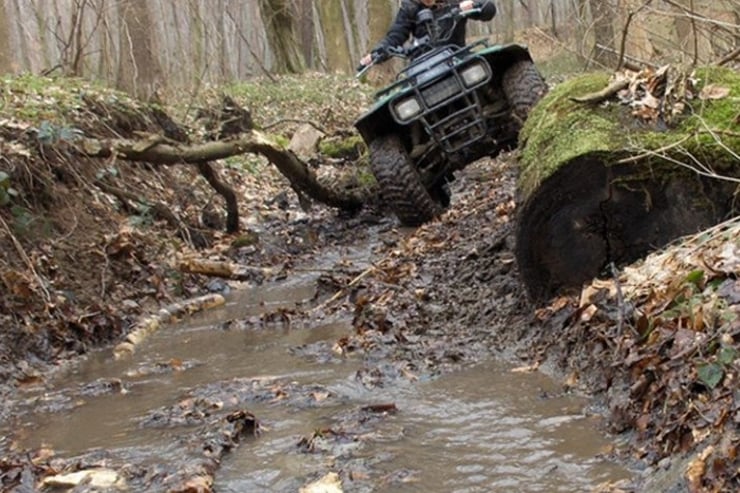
x=656 y=343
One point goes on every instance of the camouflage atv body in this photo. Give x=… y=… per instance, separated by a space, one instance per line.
x=449 y=107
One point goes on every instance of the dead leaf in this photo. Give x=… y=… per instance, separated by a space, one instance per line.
x=94 y=478
x=713 y=91
x=696 y=469
x=320 y=396
x=331 y=483
x=526 y=369
x=588 y=313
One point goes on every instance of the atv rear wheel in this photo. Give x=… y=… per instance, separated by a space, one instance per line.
x=524 y=87
x=400 y=183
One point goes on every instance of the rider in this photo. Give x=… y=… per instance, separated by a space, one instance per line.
x=405 y=24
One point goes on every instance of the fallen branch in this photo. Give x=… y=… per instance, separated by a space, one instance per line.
x=164 y=152
x=343 y=291
x=223 y=269
x=232 y=207
x=160 y=210
x=604 y=94
x=169 y=314
x=729 y=57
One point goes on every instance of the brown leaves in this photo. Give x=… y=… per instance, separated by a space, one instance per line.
x=656 y=96
x=676 y=362
x=18 y=284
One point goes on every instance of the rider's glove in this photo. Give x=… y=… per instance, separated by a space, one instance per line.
x=380 y=54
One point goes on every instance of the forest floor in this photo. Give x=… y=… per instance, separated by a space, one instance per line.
x=655 y=344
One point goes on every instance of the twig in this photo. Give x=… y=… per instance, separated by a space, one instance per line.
x=695 y=34
x=24 y=256
x=628 y=59
x=645 y=154
x=342 y=291
x=729 y=57
x=625 y=31
x=604 y=94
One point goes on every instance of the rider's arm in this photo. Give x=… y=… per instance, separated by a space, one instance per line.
x=397 y=34
x=401 y=28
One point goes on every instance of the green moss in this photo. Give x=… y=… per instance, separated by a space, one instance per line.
x=342 y=147
x=58 y=100
x=246 y=239
x=560 y=129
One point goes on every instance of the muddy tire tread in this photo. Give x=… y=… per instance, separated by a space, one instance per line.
x=524 y=87
x=400 y=184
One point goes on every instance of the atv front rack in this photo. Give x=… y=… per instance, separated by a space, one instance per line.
x=450 y=108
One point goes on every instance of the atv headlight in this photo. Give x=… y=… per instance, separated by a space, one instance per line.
x=473 y=74
x=407 y=108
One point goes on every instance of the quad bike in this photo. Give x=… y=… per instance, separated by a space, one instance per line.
x=450 y=106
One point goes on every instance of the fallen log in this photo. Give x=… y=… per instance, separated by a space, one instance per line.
x=604 y=184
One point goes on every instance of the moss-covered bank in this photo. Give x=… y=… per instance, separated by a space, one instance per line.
x=608 y=182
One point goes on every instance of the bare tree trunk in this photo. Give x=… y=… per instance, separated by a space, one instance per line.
x=603 y=14
x=6 y=62
x=279 y=18
x=138 y=69
x=685 y=34
x=508 y=18
x=553 y=19
x=307 y=42
x=23 y=44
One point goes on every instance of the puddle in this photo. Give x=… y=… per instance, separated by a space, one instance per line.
x=480 y=429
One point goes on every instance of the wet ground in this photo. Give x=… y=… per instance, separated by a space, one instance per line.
x=390 y=357
x=481 y=428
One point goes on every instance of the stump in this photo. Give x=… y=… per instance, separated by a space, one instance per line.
x=610 y=179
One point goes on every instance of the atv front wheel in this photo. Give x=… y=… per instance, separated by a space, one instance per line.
x=400 y=183
x=524 y=87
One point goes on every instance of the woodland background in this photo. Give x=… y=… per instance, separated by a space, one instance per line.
x=149 y=46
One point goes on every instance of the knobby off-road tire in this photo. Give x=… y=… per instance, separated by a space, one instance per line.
x=524 y=87
x=400 y=184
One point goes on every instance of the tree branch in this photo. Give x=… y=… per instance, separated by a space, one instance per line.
x=161 y=151
x=232 y=207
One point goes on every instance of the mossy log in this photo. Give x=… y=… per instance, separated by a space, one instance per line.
x=599 y=186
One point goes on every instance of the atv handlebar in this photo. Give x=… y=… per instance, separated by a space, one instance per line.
x=381 y=55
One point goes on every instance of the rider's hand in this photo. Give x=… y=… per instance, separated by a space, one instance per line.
x=366 y=60
x=466 y=5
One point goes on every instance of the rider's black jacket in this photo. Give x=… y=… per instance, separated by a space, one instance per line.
x=405 y=23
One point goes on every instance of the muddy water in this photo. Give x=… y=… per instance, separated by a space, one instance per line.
x=484 y=428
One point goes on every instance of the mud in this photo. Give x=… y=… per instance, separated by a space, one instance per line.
x=397 y=312
x=388 y=361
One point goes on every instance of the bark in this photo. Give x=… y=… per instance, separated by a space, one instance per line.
x=283 y=34
x=6 y=61
x=603 y=15
x=139 y=73
x=232 y=206
x=161 y=151
x=598 y=186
